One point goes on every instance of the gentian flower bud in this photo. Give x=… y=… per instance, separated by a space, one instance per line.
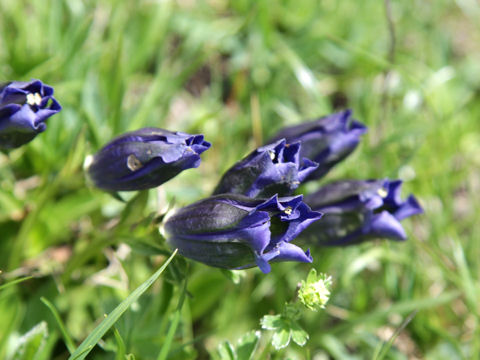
x=271 y=169
x=236 y=232
x=327 y=140
x=355 y=211
x=144 y=159
x=24 y=107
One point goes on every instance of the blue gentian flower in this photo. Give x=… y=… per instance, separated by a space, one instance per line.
x=24 y=107
x=271 y=169
x=327 y=140
x=144 y=159
x=236 y=232
x=355 y=211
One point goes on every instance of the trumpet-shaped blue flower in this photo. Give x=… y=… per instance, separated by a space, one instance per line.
x=24 y=107
x=355 y=211
x=144 y=159
x=236 y=232
x=271 y=169
x=327 y=140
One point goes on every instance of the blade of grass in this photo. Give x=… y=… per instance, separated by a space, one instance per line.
x=23 y=237
x=68 y=340
x=401 y=307
x=13 y=282
x=305 y=76
x=87 y=345
x=383 y=350
x=121 y=349
x=471 y=291
x=173 y=327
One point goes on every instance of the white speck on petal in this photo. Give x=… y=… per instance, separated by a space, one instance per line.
x=133 y=163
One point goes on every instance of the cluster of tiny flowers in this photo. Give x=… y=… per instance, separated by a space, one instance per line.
x=252 y=217
x=314 y=293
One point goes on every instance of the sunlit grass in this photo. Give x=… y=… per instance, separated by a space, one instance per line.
x=237 y=71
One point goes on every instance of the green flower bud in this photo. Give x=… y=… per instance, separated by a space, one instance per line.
x=315 y=292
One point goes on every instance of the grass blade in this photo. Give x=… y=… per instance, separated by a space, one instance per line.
x=68 y=340
x=121 y=348
x=87 y=345
x=16 y=281
x=383 y=350
x=173 y=326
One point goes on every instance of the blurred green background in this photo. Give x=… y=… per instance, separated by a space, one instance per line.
x=237 y=71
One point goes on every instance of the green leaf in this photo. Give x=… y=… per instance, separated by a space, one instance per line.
x=281 y=338
x=233 y=276
x=299 y=336
x=247 y=345
x=134 y=209
x=87 y=345
x=16 y=281
x=227 y=351
x=271 y=322
x=30 y=345
x=68 y=340
x=121 y=348
x=173 y=326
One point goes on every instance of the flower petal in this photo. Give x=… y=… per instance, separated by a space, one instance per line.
x=271 y=169
x=385 y=225
x=144 y=159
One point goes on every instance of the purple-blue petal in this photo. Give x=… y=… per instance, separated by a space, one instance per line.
x=326 y=141
x=21 y=120
x=144 y=159
x=394 y=188
x=408 y=208
x=282 y=252
x=303 y=217
x=291 y=252
x=385 y=225
x=271 y=169
x=194 y=228
x=356 y=211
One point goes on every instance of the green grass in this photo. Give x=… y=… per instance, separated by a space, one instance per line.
x=237 y=71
